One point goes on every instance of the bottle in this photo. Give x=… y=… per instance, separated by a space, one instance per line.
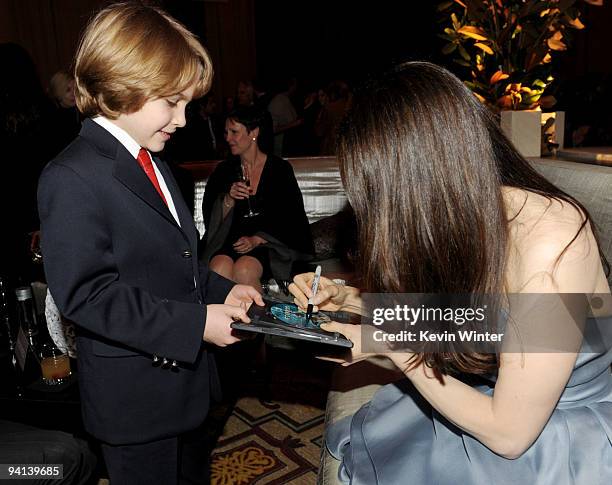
x=5 y=320
x=10 y=371
x=27 y=348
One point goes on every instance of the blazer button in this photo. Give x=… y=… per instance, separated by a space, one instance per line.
x=186 y=254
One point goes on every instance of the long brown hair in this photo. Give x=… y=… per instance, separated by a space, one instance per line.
x=423 y=163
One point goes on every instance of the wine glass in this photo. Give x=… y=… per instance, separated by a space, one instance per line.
x=246 y=179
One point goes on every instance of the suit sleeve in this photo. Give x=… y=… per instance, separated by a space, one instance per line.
x=217 y=287
x=77 y=244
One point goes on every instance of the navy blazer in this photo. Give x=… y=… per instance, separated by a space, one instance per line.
x=120 y=267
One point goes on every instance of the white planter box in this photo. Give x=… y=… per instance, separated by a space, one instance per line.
x=523 y=129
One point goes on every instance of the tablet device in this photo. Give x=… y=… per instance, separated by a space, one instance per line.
x=285 y=319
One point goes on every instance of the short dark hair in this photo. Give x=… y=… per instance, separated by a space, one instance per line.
x=250 y=116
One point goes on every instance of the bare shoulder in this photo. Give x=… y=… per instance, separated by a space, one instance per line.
x=551 y=244
x=529 y=209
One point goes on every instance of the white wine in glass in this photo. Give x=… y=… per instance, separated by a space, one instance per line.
x=246 y=179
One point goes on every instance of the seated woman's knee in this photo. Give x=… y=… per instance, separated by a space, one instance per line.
x=247 y=269
x=223 y=265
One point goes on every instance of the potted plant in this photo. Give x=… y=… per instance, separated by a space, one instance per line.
x=508 y=49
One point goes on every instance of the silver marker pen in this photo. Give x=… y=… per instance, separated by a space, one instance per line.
x=315 y=287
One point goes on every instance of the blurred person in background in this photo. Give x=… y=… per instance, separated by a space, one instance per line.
x=335 y=102
x=284 y=116
x=27 y=141
x=66 y=121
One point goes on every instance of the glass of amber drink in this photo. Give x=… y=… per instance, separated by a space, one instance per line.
x=54 y=364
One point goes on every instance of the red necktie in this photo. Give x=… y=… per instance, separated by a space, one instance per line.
x=147 y=165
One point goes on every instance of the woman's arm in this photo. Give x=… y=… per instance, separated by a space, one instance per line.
x=529 y=384
x=527 y=390
x=221 y=187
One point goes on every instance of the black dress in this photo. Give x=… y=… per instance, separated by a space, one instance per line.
x=282 y=221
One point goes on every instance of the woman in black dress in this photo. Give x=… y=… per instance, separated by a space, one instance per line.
x=244 y=248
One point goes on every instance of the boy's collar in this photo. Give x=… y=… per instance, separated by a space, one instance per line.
x=105 y=143
x=125 y=168
x=120 y=134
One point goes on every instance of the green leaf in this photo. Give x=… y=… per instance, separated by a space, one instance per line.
x=444 y=5
x=531 y=99
x=464 y=53
x=448 y=48
x=461 y=62
x=456 y=24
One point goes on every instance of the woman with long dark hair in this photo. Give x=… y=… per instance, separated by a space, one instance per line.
x=446 y=205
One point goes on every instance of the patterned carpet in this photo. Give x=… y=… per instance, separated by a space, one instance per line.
x=278 y=440
x=269 y=443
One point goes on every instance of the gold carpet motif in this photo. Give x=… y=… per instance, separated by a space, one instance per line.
x=269 y=443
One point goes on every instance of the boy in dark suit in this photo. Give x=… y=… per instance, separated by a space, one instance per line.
x=120 y=246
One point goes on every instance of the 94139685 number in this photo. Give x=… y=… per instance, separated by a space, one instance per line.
x=27 y=470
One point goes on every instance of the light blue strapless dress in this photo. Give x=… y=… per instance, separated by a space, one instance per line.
x=398 y=439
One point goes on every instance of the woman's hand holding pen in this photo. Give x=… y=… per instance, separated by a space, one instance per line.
x=333 y=297
x=330 y=296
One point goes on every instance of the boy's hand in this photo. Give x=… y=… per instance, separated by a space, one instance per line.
x=218 y=319
x=243 y=295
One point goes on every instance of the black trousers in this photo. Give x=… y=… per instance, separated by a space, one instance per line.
x=180 y=460
x=22 y=444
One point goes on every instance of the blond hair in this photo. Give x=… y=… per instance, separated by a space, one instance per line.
x=131 y=53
